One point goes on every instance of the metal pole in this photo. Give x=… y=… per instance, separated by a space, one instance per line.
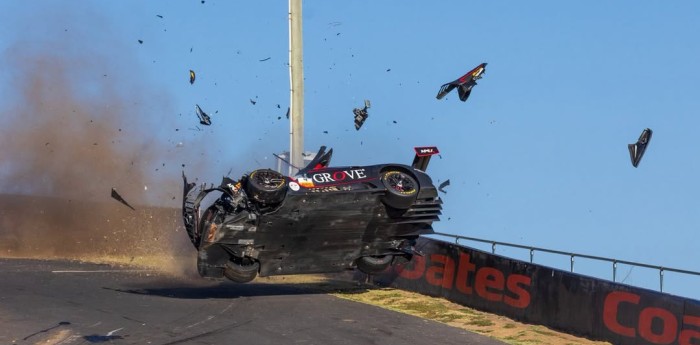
x=572 y=263
x=296 y=83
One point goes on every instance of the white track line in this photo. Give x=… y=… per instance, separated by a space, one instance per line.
x=105 y=271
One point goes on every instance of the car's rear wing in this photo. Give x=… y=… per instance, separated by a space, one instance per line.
x=422 y=158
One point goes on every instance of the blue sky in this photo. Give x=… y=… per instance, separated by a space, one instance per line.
x=537 y=155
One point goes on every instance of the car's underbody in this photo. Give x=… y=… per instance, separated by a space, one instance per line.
x=321 y=220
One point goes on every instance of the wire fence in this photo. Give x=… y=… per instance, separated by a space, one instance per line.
x=572 y=257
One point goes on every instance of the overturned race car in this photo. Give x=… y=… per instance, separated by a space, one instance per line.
x=324 y=219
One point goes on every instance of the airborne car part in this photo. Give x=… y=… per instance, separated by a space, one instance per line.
x=119 y=198
x=323 y=219
x=204 y=118
x=361 y=115
x=465 y=83
x=637 y=149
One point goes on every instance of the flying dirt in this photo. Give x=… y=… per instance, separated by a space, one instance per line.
x=78 y=128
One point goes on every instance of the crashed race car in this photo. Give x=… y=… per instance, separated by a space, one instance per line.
x=324 y=219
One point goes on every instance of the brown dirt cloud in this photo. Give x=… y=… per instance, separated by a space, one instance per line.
x=79 y=121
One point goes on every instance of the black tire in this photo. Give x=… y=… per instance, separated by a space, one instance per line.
x=266 y=186
x=374 y=264
x=243 y=271
x=401 y=187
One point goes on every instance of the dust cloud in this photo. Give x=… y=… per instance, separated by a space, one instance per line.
x=78 y=121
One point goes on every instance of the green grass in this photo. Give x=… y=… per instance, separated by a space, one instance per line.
x=481 y=322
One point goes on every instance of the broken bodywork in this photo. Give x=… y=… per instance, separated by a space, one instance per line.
x=321 y=220
x=464 y=84
x=637 y=149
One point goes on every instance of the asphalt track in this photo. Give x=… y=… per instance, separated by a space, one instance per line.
x=61 y=302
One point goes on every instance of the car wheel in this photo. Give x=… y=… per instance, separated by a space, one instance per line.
x=401 y=187
x=242 y=271
x=266 y=186
x=374 y=264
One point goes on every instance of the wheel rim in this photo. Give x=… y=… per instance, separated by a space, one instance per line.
x=400 y=182
x=268 y=180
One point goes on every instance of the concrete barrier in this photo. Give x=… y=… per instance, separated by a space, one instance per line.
x=591 y=307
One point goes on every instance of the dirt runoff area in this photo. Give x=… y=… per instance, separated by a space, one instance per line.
x=432 y=308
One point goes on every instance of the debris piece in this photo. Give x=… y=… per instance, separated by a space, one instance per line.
x=465 y=83
x=140 y=41
x=119 y=198
x=443 y=185
x=637 y=149
x=361 y=115
x=203 y=117
x=265 y=59
x=288 y=112
x=252 y=101
x=192 y=77
x=159 y=16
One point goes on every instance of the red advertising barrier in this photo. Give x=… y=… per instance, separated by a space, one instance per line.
x=577 y=304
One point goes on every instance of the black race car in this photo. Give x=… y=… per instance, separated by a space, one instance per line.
x=323 y=219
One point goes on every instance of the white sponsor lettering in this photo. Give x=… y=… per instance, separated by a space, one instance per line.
x=340 y=175
x=321 y=178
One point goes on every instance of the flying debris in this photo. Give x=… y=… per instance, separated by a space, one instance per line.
x=140 y=41
x=288 y=112
x=465 y=83
x=119 y=198
x=252 y=101
x=361 y=115
x=637 y=149
x=265 y=59
x=192 y=77
x=443 y=185
x=203 y=117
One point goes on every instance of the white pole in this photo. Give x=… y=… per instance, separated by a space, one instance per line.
x=296 y=83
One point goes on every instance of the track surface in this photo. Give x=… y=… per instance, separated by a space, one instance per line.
x=59 y=302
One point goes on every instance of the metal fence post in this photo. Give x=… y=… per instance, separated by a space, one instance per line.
x=614 y=269
x=532 y=254
x=661 y=279
x=572 y=263
x=493 y=247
